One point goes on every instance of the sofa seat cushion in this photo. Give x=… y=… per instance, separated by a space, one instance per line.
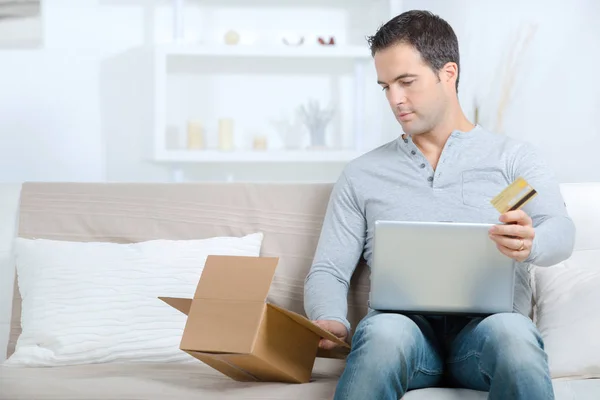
x=178 y=381
x=197 y=381
x=156 y=381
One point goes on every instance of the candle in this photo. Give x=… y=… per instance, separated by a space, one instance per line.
x=195 y=135
x=226 y=134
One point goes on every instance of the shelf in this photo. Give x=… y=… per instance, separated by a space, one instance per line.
x=264 y=156
x=241 y=3
x=304 y=51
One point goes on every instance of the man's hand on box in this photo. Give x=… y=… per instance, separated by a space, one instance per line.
x=335 y=327
x=515 y=238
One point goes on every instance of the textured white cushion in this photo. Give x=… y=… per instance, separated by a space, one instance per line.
x=97 y=302
x=567 y=304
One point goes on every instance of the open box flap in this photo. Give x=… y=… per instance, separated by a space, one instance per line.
x=222 y=326
x=236 y=278
x=310 y=325
x=225 y=366
x=182 y=305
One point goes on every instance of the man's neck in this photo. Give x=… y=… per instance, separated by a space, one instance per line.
x=432 y=143
x=435 y=140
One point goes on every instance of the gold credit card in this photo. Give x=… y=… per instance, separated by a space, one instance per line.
x=515 y=196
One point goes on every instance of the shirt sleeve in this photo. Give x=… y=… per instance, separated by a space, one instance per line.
x=554 y=229
x=339 y=249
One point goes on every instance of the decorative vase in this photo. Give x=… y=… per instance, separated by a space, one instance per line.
x=316 y=120
x=172 y=138
x=317 y=136
x=291 y=131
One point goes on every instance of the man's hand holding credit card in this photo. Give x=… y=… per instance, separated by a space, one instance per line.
x=514 y=237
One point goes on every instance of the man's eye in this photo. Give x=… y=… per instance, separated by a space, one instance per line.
x=407 y=83
x=385 y=88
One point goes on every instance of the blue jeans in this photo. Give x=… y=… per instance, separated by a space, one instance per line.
x=393 y=353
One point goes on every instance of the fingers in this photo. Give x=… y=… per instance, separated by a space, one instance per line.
x=334 y=327
x=516 y=248
x=518 y=216
x=511 y=230
x=327 y=344
x=514 y=254
x=510 y=243
x=321 y=324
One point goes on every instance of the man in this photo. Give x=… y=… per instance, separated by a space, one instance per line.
x=442 y=168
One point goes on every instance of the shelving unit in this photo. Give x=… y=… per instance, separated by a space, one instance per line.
x=357 y=53
x=198 y=77
x=266 y=156
x=354 y=57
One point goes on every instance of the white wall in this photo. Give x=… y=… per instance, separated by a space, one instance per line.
x=51 y=122
x=49 y=102
x=556 y=97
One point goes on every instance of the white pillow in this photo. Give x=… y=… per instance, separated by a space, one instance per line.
x=98 y=302
x=567 y=304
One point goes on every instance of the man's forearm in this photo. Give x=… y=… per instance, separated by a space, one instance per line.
x=338 y=252
x=554 y=230
x=554 y=241
x=326 y=296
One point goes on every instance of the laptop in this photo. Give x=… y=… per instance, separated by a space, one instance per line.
x=439 y=268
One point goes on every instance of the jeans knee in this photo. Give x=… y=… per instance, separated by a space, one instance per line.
x=386 y=338
x=513 y=342
x=389 y=354
x=511 y=329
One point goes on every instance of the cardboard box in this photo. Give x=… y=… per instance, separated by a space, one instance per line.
x=232 y=327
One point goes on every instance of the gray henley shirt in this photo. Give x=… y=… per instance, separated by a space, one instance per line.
x=396 y=182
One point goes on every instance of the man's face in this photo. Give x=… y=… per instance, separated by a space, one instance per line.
x=417 y=96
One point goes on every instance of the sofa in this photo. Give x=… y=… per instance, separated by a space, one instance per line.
x=566 y=300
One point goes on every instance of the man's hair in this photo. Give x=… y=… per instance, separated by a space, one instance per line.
x=429 y=34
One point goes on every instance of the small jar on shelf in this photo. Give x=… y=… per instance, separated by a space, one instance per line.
x=195 y=136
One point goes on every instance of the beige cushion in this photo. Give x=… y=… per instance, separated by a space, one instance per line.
x=290 y=216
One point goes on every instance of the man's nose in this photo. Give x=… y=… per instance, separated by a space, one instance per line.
x=396 y=96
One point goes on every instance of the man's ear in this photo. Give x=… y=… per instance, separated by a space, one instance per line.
x=449 y=73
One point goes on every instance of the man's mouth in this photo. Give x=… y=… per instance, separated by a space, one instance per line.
x=404 y=115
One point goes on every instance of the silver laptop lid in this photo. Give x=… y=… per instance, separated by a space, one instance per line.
x=439 y=268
